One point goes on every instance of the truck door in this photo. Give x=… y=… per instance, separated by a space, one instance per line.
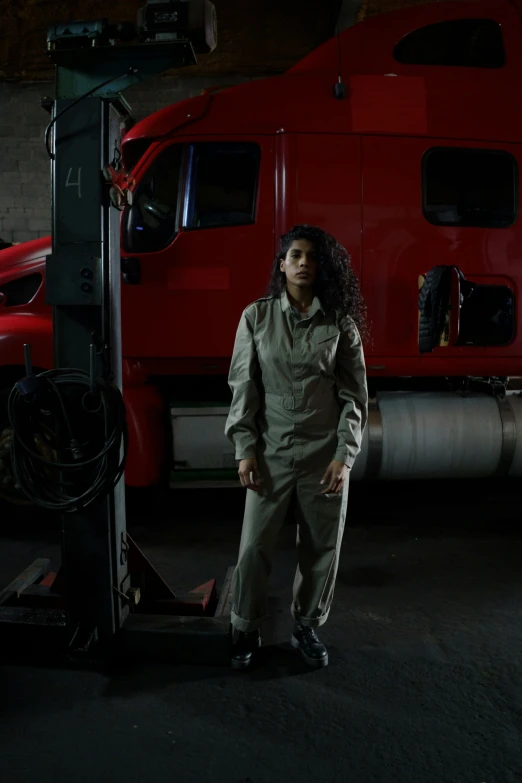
x=202 y=227
x=429 y=202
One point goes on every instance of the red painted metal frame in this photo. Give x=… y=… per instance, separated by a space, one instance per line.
x=353 y=166
x=50 y=591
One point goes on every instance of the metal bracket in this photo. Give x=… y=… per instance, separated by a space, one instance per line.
x=73 y=277
x=509 y=436
x=79 y=70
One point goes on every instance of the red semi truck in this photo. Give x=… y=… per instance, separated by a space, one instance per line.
x=416 y=167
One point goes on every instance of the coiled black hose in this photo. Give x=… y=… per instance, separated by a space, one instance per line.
x=70 y=438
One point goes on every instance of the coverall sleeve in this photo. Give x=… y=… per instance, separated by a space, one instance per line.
x=353 y=393
x=243 y=380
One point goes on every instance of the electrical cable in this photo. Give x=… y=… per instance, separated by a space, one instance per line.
x=129 y=71
x=68 y=450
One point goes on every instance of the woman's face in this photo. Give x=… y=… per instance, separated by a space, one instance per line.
x=300 y=264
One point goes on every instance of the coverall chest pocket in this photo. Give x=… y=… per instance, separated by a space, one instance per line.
x=324 y=343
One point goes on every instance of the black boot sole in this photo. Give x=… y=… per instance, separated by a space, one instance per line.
x=243 y=665
x=315 y=663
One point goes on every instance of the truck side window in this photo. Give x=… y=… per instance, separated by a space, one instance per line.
x=21 y=290
x=222 y=184
x=465 y=43
x=151 y=223
x=470 y=187
x=487 y=316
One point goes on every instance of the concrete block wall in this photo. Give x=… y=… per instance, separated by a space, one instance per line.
x=24 y=165
x=25 y=190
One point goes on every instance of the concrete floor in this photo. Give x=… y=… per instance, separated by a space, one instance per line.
x=425 y=640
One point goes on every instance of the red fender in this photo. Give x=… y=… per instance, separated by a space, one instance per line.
x=145 y=408
x=19 y=328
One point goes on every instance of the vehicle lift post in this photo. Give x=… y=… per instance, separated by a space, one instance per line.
x=106 y=597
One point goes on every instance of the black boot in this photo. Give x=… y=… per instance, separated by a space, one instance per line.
x=310 y=646
x=244 y=649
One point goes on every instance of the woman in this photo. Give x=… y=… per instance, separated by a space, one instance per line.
x=298 y=412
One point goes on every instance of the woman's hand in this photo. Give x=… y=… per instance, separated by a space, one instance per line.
x=248 y=474
x=334 y=477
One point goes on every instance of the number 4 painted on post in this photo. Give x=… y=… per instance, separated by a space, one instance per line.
x=78 y=183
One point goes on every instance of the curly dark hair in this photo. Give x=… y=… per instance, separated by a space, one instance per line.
x=336 y=284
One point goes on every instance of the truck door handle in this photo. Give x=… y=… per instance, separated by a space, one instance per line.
x=131 y=270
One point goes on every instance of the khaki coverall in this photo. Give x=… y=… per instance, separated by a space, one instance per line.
x=299 y=401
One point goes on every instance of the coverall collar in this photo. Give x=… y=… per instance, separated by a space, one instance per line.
x=316 y=304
